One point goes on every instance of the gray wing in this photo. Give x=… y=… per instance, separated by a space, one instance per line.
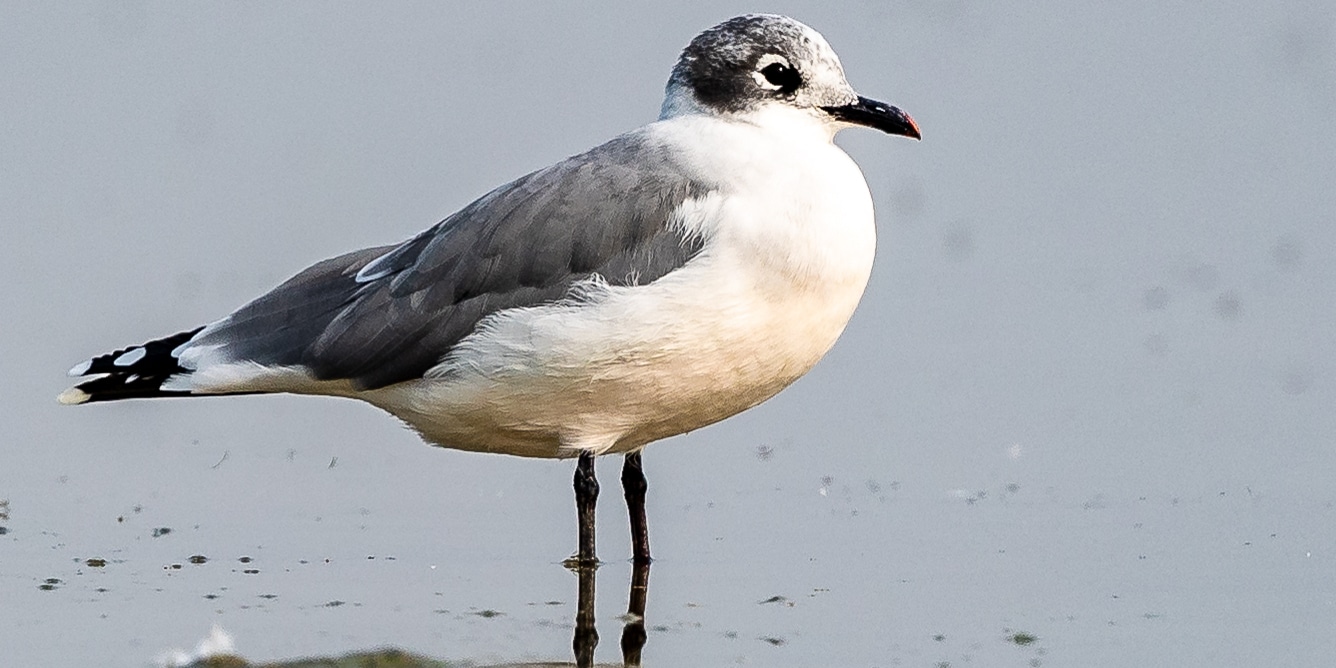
x=385 y=315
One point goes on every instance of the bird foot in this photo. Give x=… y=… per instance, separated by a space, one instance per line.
x=577 y=564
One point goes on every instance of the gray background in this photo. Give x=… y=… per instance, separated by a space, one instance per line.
x=1088 y=395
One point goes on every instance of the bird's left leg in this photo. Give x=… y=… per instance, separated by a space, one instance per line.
x=586 y=499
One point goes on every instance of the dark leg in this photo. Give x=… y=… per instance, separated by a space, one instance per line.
x=634 y=485
x=633 y=634
x=586 y=499
x=586 y=635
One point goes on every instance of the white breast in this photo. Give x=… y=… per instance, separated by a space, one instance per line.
x=789 y=246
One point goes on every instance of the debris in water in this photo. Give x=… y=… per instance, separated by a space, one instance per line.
x=1022 y=638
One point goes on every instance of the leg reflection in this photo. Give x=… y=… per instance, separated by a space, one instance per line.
x=633 y=633
x=586 y=635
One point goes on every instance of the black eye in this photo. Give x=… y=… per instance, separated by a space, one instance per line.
x=782 y=76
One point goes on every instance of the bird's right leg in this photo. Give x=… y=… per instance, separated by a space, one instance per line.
x=634 y=485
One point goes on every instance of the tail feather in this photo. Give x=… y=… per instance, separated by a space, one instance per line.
x=130 y=373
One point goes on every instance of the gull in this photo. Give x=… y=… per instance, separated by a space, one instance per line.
x=672 y=277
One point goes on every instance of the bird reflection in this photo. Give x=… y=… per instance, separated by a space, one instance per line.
x=633 y=632
x=583 y=644
x=586 y=633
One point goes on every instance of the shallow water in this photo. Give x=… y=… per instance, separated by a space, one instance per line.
x=1082 y=417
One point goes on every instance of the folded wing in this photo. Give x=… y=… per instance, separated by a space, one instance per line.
x=385 y=315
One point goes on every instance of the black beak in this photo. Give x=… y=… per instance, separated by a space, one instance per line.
x=878 y=115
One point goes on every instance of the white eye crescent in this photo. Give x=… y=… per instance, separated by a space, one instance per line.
x=773 y=72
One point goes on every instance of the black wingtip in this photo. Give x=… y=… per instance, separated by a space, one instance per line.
x=130 y=373
x=152 y=358
x=116 y=387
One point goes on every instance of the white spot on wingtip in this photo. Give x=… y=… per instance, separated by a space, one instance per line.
x=81 y=368
x=130 y=357
x=131 y=378
x=73 y=397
